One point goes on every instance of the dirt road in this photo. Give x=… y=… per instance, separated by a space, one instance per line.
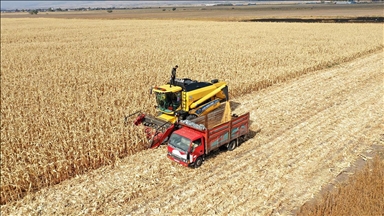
x=311 y=129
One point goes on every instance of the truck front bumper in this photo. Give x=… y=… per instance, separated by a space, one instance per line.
x=178 y=160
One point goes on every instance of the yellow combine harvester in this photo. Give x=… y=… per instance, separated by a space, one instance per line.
x=189 y=99
x=183 y=99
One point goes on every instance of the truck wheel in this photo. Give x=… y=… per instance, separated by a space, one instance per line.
x=198 y=162
x=232 y=145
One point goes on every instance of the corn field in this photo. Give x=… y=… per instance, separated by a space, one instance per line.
x=66 y=85
x=362 y=196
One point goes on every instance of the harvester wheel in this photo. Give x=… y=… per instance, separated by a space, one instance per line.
x=198 y=162
x=232 y=145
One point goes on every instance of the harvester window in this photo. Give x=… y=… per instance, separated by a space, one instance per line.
x=177 y=101
x=169 y=101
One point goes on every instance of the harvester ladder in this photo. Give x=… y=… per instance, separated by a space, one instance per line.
x=184 y=102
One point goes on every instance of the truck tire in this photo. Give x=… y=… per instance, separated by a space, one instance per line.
x=232 y=145
x=198 y=162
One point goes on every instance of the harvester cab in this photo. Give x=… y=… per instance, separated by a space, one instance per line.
x=189 y=98
x=168 y=100
x=180 y=99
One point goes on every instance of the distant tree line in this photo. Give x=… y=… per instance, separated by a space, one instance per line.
x=36 y=11
x=33 y=12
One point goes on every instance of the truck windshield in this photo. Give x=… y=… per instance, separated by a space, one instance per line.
x=168 y=101
x=179 y=142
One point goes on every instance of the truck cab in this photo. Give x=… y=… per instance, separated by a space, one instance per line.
x=186 y=146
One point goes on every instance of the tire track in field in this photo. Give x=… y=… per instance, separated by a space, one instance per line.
x=378 y=106
x=318 y=102
x=302 y=118
x=311 y=129
x=299 y=121
x=306 y=155
x=289 y=169
x=347 y=109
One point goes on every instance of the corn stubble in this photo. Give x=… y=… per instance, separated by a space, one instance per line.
x=66 y=85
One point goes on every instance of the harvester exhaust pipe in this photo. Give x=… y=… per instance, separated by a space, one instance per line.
x=225 y=90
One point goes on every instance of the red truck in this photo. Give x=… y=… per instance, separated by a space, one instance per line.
x=196 y=139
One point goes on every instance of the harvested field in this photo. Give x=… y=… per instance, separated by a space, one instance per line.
x=312 y=129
